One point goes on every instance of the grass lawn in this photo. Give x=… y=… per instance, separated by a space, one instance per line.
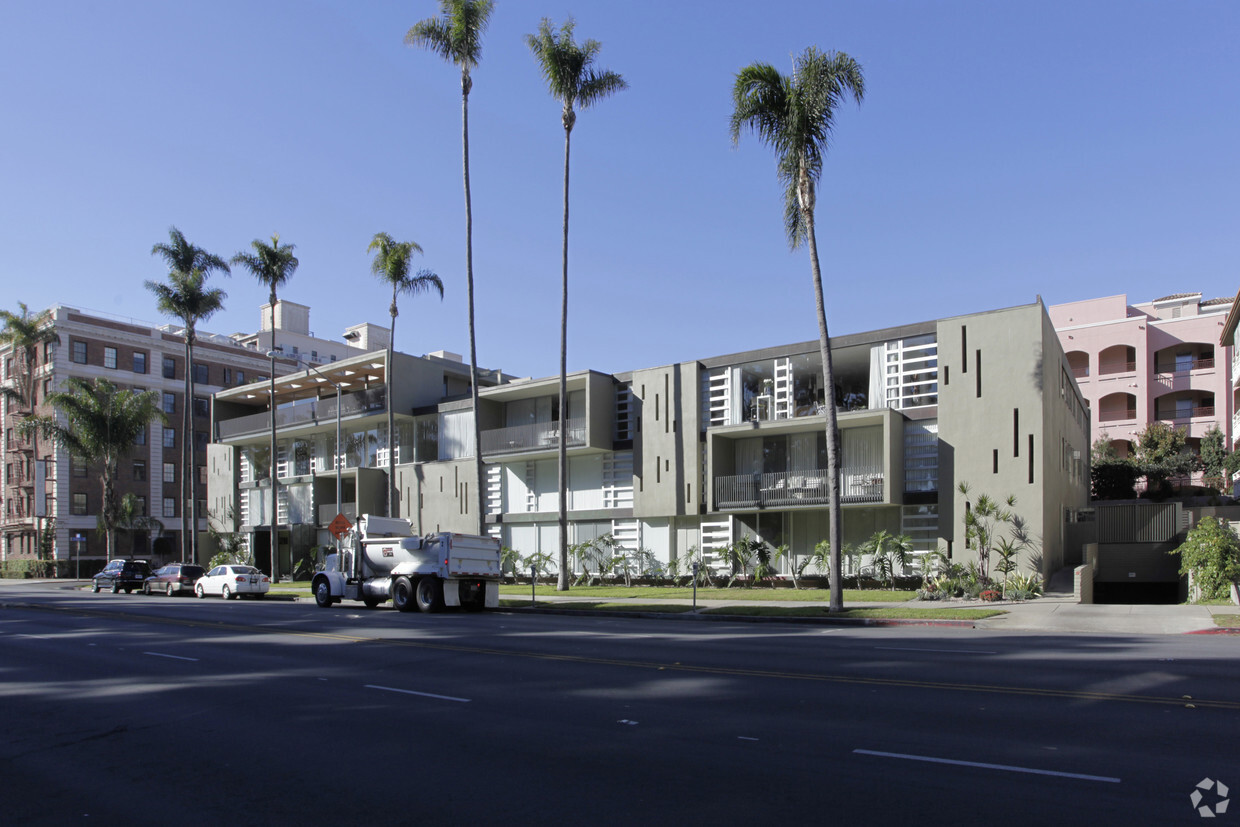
x=1227 y=621
x=659 y=608
x=676 y=593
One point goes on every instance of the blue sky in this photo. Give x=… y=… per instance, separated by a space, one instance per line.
x=1004 y=150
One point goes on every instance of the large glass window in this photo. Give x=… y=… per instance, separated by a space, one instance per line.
x=139 y=363
x=77 y=352
x=109 y=357
x=170 y=368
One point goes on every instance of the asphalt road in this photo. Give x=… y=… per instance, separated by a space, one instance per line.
x=133 y=710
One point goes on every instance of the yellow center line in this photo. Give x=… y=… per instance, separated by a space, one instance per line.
x=1028 y=691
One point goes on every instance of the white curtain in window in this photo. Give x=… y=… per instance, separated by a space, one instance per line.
x=878 y=377
x=456 y=435
x=803 y=452
x=749 y=456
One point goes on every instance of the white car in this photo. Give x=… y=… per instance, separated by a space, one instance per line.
x=227 y=581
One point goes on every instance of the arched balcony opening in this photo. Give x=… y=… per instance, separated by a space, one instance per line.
x=1184 y=357
x=1182 y=406
x=1117 y=407
x=1117 y=359
x=1078 y=363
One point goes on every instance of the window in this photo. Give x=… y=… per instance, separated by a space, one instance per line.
x=170 y=437
x=141 y=506
x=79 y=505
x=240 y=377
x=170 y=368
x=139 y=470
x=139 y=363
x=202 y=477
x=77 y=352
x=170 y=403
x=140 y=439
x=170 y=506
x=78 y=466
x=202 y=406
x=200 y=440
x=47 y=352
x=109 y=357
x=200 y=374
x=333 y=357
x=170 y=472
x=227 y=377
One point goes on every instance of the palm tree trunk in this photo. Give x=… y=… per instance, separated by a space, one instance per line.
x=271 y=461
x=187 y=456
x=469 y=290
x=391 y=416
x=834 y=533
x=562 y=582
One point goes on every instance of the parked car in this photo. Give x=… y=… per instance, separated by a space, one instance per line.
x=174 y=578
x=227 y=581
x=122 y=574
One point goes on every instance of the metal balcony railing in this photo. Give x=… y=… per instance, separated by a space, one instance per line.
x=791 y=488
x=538 y=436
x=1168 y=371
x=1116 y=367
x=1180 y=415
x=319 y=411
x=1117 y=416
x=1080 y=373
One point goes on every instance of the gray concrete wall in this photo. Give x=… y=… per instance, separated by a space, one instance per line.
x=998 y=390
x=666 y=456
x=439 y=496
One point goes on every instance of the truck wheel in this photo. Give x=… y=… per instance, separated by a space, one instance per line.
x=430 y=594
x=402 y=594
x=94 y=588
x=116 y=587
x=323 y=593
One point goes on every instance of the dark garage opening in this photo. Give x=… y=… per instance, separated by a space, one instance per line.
x=1138 y=593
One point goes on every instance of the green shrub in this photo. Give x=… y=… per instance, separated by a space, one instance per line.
x=1211 y=554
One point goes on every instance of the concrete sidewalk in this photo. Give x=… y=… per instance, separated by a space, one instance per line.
x=1051 y=614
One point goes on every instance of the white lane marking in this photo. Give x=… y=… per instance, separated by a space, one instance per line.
x=174 y=657
x=1004 y=767
x=947 y=651
x=745 y=738
x=422 y=694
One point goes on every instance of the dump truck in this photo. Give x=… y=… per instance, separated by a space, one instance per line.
x=382 y=559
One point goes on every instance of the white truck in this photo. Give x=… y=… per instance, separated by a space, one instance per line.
x=382 y=559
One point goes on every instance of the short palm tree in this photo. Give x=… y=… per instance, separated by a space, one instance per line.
x=456 y=36
x=392 y=262
x=569 y=70
x=889 y=554
x=272 y=264
x=186 y=297
x=100 y=424
x=24 y=334
x=795 y=115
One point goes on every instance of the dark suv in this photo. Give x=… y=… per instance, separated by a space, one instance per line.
x=173 y=578
x=122 y=574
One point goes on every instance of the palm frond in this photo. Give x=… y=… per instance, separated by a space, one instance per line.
x=456 y=35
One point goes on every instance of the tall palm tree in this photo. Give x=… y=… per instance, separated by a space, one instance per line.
x=272 y=264
x=392 y=262
x=25 y=334
x=795 y=115
x=186 y=297
x=456 y=36
x=572 y=79
x=101 y=423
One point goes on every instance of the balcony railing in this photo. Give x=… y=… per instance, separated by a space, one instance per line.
x=1116 y=367
x=1182 y=369
x=1180 y=415
x=538 y=436
x=791 y=488
x=1080 y=373
x=320 y=411
x=1117 y=416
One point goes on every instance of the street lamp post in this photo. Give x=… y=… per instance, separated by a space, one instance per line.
x=336 y=452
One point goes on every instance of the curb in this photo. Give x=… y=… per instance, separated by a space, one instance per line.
x=720 y=617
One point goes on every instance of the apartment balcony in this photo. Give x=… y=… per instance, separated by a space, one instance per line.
x=1196 y=422
x=1198 y=374
x=535 y=437
x=785 y=489
x=1122 y=415
x=318 y=412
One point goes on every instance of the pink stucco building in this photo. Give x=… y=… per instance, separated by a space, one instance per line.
x=1158 y=360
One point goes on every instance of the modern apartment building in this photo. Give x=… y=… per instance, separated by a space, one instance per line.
x=1161 y=360
x=696 y=453
x=310 y=462
x=137 y=356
